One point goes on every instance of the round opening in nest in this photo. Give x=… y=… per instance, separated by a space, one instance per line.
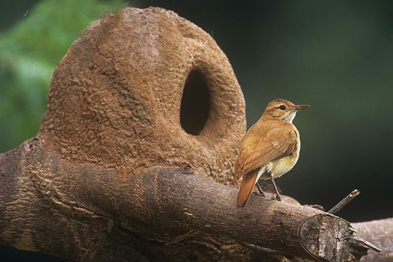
x=195 y=103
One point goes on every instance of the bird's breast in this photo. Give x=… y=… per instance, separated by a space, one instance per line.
x=281 y=166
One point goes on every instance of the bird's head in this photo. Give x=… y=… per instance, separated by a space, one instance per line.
x=282 y=109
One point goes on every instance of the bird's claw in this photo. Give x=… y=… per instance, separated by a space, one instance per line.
x=259 y=194
x=277 y=197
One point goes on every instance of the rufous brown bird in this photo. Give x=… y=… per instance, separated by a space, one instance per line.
x=269 y=149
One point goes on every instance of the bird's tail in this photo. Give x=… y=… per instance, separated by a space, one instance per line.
x=246 y=188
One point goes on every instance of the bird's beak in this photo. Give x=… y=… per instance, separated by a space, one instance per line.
x=299 y=107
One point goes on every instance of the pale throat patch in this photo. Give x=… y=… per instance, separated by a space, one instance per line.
x=290 y=117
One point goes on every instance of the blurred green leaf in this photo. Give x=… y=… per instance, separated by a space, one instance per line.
x=29 y=52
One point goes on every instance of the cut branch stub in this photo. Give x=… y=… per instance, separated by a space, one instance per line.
x=330 y=238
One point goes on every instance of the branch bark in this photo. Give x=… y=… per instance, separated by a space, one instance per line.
x=380 y=233
x=163 y=213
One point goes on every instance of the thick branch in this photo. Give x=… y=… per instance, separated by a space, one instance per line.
x=159 y=209
x=166 y=204
x=380 y=233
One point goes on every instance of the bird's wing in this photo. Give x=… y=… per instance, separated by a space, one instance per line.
x=277 y=143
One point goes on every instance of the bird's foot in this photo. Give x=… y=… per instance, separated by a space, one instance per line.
x=278 y=198
x=260 y=190
x=259 y=194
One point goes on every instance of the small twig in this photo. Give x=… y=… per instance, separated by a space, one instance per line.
x=344 y=202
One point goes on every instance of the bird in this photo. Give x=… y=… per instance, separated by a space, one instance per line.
x=269 y=149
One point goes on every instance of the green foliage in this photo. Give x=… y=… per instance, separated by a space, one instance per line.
x=29 y=53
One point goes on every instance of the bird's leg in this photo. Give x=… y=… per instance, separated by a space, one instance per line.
x=260 y=190
x=278 y=196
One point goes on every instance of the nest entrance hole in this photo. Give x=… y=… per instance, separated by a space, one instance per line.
x=195 y=103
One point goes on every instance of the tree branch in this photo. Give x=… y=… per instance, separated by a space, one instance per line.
x=165 y=208
x=380 y=233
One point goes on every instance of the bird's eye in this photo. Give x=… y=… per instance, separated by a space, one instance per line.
x=282 y=107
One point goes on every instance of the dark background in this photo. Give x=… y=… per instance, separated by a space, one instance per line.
x=334 y=55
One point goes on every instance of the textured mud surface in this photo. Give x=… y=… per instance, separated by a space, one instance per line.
x=116 y=97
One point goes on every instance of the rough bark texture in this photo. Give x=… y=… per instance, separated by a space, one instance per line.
x=122 y=170
x=84 y=213
x=380 y=233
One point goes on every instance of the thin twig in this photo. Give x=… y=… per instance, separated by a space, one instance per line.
x=344 y=202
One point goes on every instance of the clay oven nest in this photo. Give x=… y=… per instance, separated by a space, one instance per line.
x=143 y=88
